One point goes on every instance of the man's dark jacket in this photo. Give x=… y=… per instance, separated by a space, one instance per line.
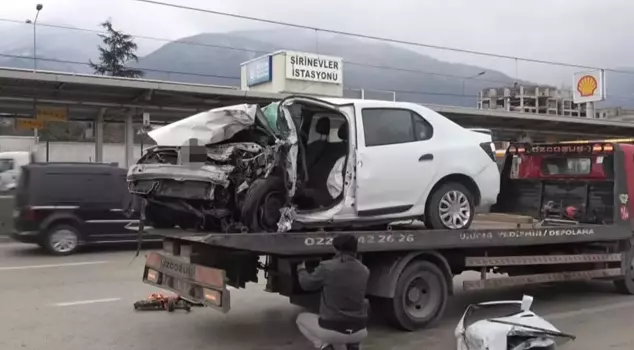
x=343 y=281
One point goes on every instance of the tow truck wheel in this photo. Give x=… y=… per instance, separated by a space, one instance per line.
x=450 y=207
x=420 y=297
x=626 y=284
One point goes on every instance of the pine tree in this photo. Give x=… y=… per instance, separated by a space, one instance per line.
x=119 y=48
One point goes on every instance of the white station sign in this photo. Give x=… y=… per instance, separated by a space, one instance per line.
x=313 y=67
x=588 y=86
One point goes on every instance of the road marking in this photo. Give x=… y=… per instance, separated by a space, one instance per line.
x=11 y=268
x=84 y=302
x=590 y=310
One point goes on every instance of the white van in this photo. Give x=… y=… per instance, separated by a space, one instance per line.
x=11 y=164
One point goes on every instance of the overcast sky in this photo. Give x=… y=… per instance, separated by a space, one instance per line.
x=586 y=32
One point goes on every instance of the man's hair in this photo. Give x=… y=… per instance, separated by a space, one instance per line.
x=345 y=243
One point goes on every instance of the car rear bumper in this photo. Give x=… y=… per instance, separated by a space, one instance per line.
x=488 y=182
x=26 y=236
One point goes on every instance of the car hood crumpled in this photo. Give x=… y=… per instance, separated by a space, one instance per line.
x=208 y=127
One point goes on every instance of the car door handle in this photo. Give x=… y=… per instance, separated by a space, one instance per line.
x=426 y=157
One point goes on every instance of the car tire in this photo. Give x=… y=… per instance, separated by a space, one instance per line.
x=62 y=240
x=452 y=193
x=262 y=204
x=420 y=297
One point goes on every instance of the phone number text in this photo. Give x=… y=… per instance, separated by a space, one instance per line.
x=365 y=239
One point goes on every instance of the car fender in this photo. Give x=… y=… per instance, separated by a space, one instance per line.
x=384 y=272
x=61 y=216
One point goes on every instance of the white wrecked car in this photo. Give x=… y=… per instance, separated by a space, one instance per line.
x=306 y=163
x=521 y=329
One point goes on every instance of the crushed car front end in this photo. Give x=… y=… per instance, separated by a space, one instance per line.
x=208 y=170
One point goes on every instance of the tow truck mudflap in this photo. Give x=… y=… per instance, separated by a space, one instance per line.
x=192 y=282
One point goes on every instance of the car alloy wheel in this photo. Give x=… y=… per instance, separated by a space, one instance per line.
x=454 y=210
x=63 y=241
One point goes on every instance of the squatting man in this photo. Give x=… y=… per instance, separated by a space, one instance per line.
x=343 y=311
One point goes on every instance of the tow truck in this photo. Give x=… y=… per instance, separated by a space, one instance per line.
x=563 y=214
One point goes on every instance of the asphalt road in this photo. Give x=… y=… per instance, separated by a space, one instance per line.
x=85 y=302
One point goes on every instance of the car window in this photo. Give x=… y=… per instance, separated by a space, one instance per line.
x=392 y=126
x=422 y=128
x=333 y=136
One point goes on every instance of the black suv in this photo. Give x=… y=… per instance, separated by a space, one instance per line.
x=61 y=206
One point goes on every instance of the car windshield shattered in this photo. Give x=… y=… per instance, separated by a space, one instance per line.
x=230 y=169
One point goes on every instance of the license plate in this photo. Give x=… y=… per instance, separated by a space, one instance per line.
x=177 y=268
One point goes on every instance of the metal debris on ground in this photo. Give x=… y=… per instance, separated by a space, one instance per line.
x=157 y=301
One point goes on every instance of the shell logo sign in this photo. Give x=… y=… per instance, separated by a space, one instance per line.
x=588 y=86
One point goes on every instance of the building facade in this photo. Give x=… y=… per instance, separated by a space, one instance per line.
x=536 y=99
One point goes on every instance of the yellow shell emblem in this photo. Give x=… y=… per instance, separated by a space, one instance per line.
x=587 y=85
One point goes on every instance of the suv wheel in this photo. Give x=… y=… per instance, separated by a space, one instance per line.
x=450 y=207
x=62 y=240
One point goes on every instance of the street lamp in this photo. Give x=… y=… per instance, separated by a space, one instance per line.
x=471 y=77
x=34 y=22
x=38 y=8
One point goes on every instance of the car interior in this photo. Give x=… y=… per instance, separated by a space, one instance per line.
x=323 y=137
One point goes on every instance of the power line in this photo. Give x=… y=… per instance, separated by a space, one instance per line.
x=372 y=37
x=186 y=42
x=30 y=58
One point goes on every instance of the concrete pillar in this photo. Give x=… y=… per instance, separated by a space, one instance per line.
x=589 y=109
x=99 y=136
x=129 y=139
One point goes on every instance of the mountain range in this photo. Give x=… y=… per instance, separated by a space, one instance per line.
x=214 y=58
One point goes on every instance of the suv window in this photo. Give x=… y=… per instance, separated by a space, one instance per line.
x=392 y=126
x=80 y=188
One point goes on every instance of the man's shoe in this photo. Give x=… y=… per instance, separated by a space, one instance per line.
x=356 y=346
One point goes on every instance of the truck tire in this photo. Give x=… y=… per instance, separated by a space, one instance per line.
x=626 y=284
x=420 y=297
x=448 y=198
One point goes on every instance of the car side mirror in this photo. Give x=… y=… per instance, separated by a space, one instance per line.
x=527 y=302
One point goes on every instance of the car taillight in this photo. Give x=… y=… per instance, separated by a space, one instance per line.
x=489 y=149
x=27 y=214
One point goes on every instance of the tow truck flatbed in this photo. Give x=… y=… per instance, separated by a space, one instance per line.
x=491 y=232
x=200 y=266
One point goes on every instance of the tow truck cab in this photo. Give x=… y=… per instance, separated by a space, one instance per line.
x=586 y=183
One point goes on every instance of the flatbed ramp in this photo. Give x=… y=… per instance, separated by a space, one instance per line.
x=490 y=230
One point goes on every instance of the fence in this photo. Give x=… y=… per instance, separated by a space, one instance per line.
x=67 y=151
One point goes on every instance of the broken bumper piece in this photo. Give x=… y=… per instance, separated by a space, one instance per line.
x=173 y=181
